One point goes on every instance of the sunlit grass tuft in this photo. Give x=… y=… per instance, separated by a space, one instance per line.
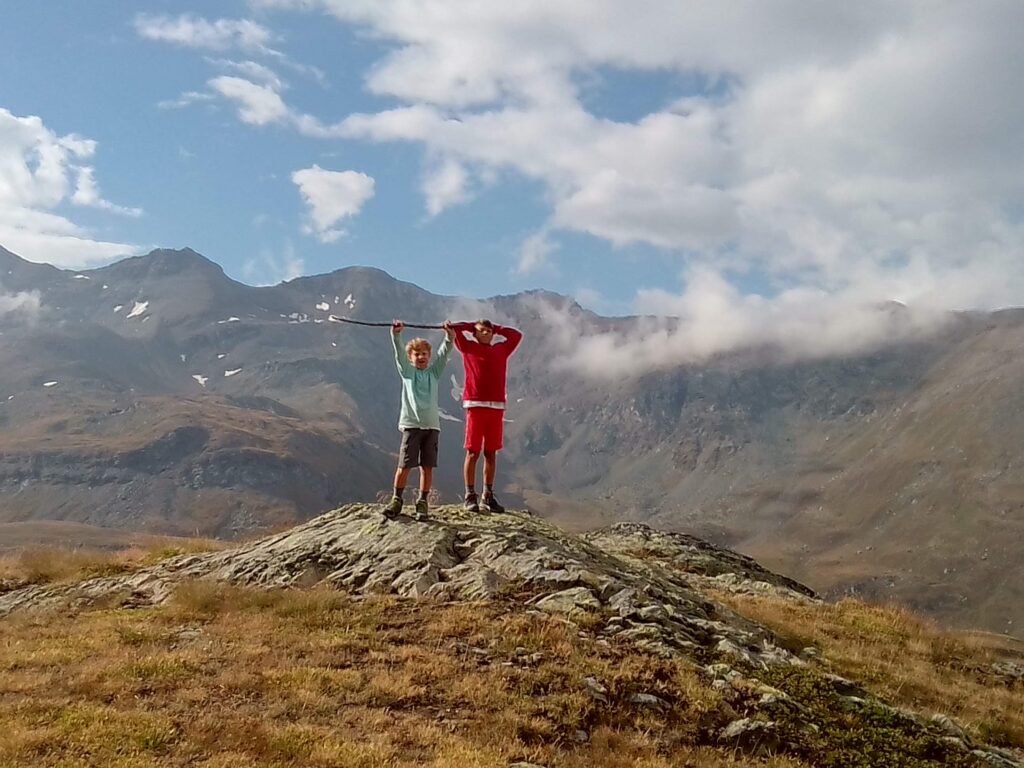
x=905 y=659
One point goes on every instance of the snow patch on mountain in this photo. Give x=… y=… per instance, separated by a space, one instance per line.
x=137 y=310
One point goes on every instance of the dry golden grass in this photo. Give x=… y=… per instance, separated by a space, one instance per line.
x=224 y=676
x=905 y=659
x=44 y=565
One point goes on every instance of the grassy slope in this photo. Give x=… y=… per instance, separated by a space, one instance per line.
x=230 y=677
x=224 y=677
x=929 y=495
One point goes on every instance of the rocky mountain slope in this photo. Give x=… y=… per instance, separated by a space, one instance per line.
x=626 y=591
x=157 y=394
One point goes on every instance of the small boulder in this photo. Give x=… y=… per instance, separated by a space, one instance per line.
x=649 y=701
x=754 y=737
x=570 y=601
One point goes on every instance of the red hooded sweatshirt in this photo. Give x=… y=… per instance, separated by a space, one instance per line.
x=486 y=365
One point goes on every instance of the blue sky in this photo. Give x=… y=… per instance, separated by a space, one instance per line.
x=763 y=164
x=204 y=179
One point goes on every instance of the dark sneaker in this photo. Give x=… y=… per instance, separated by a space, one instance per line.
x=471 y=504
x=393 y=508
x=490 y=504
x=421 y=510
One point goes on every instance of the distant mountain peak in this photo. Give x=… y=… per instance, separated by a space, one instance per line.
x=181 y=259
x=165 y=262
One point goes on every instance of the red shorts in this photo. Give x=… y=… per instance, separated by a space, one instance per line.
x=484 y=429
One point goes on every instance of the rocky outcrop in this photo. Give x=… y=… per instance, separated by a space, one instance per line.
x=627 y=585
x=710 y=565
x=459 y=555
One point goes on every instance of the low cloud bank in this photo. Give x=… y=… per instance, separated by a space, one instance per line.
x=711 y=322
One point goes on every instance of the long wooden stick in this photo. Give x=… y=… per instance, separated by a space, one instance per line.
x=336 y=319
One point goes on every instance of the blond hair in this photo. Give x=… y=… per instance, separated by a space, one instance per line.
x=416 y=344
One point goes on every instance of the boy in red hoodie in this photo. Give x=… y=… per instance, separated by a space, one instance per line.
x=483 y=397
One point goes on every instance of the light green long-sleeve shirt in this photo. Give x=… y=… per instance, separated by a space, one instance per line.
x=419 y=388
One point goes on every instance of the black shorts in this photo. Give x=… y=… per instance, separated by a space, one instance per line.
x=419 y=448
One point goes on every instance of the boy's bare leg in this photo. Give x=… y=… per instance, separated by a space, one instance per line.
x=469 y=475
x=490 y=467
x=402 y=476
x=487 y=501
x=469 y=468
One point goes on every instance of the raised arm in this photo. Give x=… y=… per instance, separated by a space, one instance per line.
x=512 y=337
x=461 y=342
x=444 y=352
x=401 y=359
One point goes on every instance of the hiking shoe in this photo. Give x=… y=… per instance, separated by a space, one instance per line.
x=393 y=508
x=490 y=504
x=471 y=504
x=421 y=510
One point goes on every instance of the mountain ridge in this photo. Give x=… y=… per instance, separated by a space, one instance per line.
x=797 y=463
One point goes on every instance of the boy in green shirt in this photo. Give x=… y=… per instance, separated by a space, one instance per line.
x=419 y=420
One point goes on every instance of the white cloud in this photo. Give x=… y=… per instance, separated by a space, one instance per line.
x=331 y=197
x=711 y=318
x=87 y=193
x=252 y=70
x=849 y=155
x=261 y=104
x=444 y=186
x=25 y=303
x=257 y=104
x=196 y=32
x=37 y=170
x=223 y=35
x=186 y=99
x=535 y=252
x=272 y=268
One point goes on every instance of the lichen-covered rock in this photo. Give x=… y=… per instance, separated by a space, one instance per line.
x=1010 y=671
x=755 y=737
x=697 y=558
x=570 y=601
x=649 y=701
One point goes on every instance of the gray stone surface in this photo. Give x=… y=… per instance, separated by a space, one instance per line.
x=636 y=588
x=701 y=561
x=454 y=555
x=755 y=737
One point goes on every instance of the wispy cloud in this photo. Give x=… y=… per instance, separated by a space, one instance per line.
x=87 y=193
x=273 y=267
x=257 y=104
x=444 y=185
x=332 y=196
x=193 y=31
x=253 y=71
x=187 y=99
x=535 y=252
x=260 y=103
x=24 y=303
x=224 y=36
x=39 y=171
